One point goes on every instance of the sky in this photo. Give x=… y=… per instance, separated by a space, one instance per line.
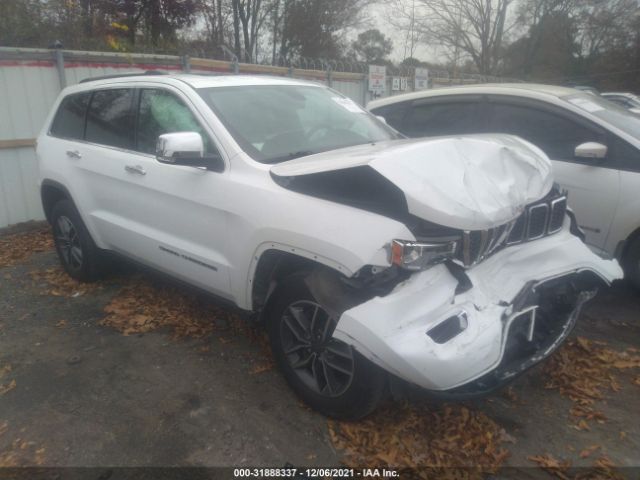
x=379 y=14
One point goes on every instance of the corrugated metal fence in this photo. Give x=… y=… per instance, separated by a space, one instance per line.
x=30 y=80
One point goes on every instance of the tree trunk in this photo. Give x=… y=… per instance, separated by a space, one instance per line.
x=236 y=27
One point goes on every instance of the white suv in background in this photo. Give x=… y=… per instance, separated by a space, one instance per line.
x=449 y=263
x=594 y=146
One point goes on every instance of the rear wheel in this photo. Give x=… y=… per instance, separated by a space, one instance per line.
x=632 y=262
x=326 y=373
x=79 y=255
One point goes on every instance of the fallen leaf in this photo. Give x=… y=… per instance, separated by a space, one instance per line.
x=4 y=370
x=587 y=452
x=8 y=387
x=551 y=464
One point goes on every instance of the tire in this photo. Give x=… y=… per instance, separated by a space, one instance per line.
x=329 y=375
x=632 y=263
x=78 y=254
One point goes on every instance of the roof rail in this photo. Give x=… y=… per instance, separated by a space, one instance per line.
x=118 y=75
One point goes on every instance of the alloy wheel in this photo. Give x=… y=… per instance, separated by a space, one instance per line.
x=324 y=364
x=68 y=242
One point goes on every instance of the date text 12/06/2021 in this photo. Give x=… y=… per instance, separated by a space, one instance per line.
x=316 y=472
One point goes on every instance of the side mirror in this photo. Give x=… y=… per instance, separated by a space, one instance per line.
x=382 y=119
x=591 y=150
x=185 y=148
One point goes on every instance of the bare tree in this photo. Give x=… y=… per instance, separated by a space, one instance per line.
x=603 y=25
x=472 y=28
x=248 y=19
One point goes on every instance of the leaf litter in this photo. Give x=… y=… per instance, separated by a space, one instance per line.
x=56 y=282
x=441 y=437
x=18 y=247
x=583 y=370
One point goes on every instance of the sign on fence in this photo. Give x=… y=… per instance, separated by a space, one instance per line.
x=421 y=78
x=377 y=78
x=399 y=84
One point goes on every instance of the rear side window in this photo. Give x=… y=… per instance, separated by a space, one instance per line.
x=162 y=112
x=440 y=118
x=393 y=114
x=110 y=118
x=69 y=120
x=556 y=135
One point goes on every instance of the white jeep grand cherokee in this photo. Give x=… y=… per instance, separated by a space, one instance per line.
x=451 y=263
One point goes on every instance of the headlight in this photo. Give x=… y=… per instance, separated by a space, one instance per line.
x=420 y=255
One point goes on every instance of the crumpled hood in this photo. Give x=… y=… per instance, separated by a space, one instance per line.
x=470 y=182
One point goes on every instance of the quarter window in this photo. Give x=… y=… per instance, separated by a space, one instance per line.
x=162 y=112
x=69 y=120
x=110 y=119
x=439 y=118
x=556 y=135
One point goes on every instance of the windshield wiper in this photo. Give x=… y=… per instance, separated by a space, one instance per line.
x=289 y=156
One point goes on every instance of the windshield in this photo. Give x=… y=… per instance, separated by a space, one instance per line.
x=275 y=123
x=611 y=113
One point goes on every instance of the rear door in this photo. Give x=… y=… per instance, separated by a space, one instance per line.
x=593 y=186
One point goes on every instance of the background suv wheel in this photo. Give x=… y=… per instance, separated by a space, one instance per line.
x=79 y=255
x=326 y=373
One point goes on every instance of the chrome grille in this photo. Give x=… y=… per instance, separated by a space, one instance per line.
x=558 y=210
x=479 y=244
x=538 y=220
x=537 y=224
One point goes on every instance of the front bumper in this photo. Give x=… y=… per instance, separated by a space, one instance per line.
x=550 y=276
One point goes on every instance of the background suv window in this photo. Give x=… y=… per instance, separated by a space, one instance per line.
x=69 y=120
x=162 y=112
x=110 y=119
x=556 y=135
x=441 y=118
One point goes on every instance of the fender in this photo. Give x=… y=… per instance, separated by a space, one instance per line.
x=266 y=246
x=47 y=182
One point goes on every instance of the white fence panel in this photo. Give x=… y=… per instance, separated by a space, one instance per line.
x=19 y=197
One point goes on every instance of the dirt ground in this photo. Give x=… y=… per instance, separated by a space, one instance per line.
x=75 y=392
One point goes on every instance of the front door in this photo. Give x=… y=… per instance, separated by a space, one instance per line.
x=165 y=216
x=593 y=186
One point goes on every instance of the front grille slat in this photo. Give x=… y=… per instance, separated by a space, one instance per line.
x=538 y=220
x=537 y=224
x=556 y=217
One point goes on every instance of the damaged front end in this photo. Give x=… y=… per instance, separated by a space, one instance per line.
x=517 y=307
x=494 y=278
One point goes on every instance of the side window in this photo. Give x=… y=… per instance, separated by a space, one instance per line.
x=69 y=119
x=110 y=119
x=556 y=135
x=623 y=155
x=162 y=112
x=440 y=118
x=393 y=114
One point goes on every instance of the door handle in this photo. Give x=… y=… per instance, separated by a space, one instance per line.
x=74 y=154
x=135 y=169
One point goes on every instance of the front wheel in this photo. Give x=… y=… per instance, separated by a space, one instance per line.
x=326 y=373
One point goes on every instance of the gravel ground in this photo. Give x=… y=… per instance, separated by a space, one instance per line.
x=85 y=395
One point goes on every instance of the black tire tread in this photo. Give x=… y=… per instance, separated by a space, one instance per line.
x=370 y=383
x=92 y=265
